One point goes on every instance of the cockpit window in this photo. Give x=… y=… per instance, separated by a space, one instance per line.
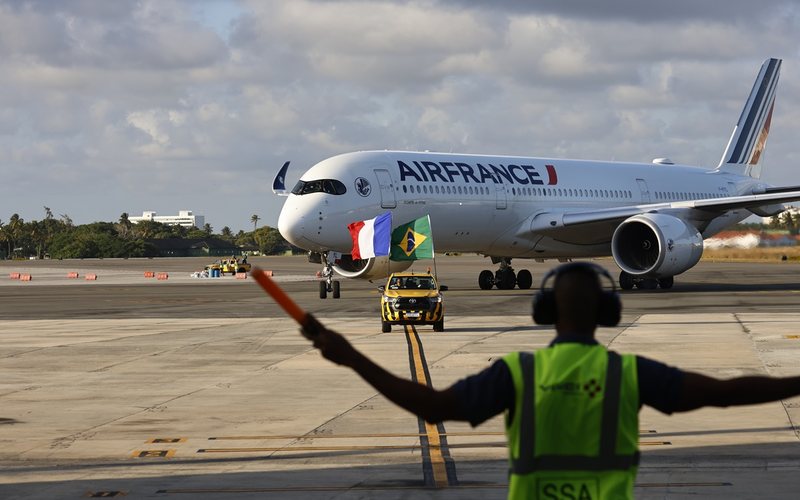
x=329 y=186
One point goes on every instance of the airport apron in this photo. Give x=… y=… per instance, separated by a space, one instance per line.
x=574 y=433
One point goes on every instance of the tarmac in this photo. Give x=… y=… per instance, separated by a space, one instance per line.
x=202 y=388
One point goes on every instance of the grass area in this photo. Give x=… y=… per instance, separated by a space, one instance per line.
x=753 y=254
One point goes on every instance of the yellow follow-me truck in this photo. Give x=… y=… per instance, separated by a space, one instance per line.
x=412 y=298
x=231 y=265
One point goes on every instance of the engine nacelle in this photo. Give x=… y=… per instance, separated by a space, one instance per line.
x=369 y=269
x=656 y=245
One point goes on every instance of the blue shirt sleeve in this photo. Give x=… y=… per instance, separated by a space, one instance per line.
x=487 y=393
x=660 y=385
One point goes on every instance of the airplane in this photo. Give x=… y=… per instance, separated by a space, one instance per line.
x=651 y=218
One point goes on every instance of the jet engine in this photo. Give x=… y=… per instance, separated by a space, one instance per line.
x=656 y=245
x=369 y=269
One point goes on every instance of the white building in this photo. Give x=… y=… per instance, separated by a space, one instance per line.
x=184 y=218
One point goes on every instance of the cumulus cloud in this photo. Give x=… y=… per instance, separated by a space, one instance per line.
x=171 y=104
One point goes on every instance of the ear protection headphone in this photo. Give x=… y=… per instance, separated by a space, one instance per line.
x=609 y=306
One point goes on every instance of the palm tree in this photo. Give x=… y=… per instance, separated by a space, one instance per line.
x=3 y=237
x=124 y=226
x=13 y=231
x=254 y=219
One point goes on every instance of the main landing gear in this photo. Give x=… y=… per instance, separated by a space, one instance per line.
x=628 y=281
x=505 y=278
x=328 y=284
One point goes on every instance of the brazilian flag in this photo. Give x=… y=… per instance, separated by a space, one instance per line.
x=413 y=240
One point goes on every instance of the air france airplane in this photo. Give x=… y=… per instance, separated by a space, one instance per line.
x=651 y=217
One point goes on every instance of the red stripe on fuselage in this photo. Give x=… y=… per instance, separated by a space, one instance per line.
x=552 y=176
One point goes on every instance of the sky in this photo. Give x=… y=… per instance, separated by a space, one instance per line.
x=166 y=105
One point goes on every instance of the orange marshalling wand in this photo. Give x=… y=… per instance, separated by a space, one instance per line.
x=305 y=320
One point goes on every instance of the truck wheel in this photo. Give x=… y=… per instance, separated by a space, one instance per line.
x=386 y=327
x=439 y=326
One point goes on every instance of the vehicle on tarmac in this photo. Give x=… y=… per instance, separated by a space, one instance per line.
x=412 y=299
x=230 y=265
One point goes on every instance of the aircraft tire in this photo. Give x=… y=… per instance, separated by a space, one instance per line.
x=625 y=281
x=386 y=327
x=486 y=280
x=336 y=290
x=506 y=279
x=648 y=284
x=524 y=279
x=323 y=290
x=666 y=283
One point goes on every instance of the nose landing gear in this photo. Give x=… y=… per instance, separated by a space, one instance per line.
x=328 y=284
x=505 y=278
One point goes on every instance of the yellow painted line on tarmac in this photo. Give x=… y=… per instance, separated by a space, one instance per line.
x=432 y=432
x=153 y=454
x=655 y=443
x=165 y=440
x=793 y=337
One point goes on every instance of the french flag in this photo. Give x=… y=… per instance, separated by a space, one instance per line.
x=371 y=238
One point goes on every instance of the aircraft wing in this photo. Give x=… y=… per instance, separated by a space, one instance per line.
x=768 y=203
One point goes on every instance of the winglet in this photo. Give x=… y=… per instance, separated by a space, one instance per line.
x=279 y=183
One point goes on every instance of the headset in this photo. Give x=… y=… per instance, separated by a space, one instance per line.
x=609 y=307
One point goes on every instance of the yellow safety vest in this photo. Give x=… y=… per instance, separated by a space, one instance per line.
x=574 y=433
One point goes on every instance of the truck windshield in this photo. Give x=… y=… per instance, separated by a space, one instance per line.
x=415 y=283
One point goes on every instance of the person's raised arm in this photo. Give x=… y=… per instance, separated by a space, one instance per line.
x=431 y=404
x=701 y=390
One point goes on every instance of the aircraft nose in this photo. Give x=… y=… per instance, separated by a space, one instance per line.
x=291 y=225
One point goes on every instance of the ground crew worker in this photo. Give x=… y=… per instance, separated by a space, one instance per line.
x=572 y=408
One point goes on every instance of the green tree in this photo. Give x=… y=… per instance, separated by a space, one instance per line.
x=789 y=222
x=3 y=237
x=124 y=226
x=14 y=233
x=269 y=241
x=66 y=220
x=254 y=219
x=227 y=234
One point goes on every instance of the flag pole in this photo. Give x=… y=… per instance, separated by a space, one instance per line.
x=389 y=255
x=433 y=251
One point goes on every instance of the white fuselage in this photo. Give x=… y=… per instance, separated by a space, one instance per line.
x=489 y=204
